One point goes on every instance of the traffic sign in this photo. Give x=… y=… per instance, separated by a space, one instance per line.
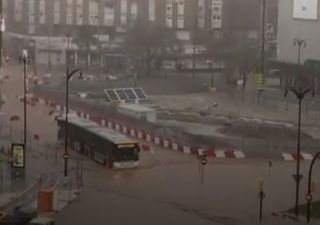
x=261 y=194
x=204 y=161
x=66 y=155
x=297 y=179
x=308 y=197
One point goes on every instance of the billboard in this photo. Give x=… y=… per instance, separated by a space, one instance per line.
x=18 y=155
x=305 y=9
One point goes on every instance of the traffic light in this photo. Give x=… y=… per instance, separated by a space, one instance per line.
x=259 y=81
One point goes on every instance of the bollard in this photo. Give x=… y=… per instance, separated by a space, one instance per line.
x=69 y=194
x=261 y=195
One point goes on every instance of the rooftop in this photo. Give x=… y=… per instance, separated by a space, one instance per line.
x=98 y=130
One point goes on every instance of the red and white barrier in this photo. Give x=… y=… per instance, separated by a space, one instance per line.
x=166 y=143
x=140 y=135
x=175 y=147
x=186 y=150
x=293 y=156
x=157 y=140
x=226 y=153
x=148 y=138
x=124 y=129
x=132 y=132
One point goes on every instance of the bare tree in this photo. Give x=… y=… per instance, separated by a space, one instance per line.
x=147 y=40
x=84 y=39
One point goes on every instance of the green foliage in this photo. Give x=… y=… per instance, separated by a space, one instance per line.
x=315 y=209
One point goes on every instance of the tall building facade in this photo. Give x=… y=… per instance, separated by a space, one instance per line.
x=45 y=25
x=298 y=19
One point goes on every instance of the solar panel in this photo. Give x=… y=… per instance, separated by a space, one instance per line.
x=140 y=93
x=122 y=95
x=112 y=95
x=130 y=94
x=125 y=94
x=107 y=96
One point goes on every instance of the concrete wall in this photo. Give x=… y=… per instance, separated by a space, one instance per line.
x=290 y=28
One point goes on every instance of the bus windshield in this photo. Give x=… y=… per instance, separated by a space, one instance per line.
x=126 y=153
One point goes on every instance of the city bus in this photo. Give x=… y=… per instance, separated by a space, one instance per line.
x=101 y=144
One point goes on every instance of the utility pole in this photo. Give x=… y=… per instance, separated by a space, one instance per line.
x=50 y=24
x=263 y=35
x=262 y=53
x=1 y=25
x=194 y=39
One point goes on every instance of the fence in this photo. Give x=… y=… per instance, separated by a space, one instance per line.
x=250 y=145
x=22 y=196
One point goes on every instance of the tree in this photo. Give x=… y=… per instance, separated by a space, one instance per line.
x=239 y=56
x=84 y=39
x=147 y=40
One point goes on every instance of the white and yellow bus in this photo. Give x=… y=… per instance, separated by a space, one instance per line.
x=101 y=144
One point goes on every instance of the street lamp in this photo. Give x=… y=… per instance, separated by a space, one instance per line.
x=309 y=196
x=300 y=93
x=263 y=35
x=194 y=40
x=298 y=42
x=25 y=60
x=66 y=155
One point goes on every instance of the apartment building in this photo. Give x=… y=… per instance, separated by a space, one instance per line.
x=48 y=27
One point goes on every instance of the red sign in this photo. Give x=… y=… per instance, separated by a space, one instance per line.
x=308 y=197
x=14 y=118
x=66 y=155
x=204 y=161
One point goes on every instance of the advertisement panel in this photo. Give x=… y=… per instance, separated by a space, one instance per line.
x=18 y=155
x=305 y=9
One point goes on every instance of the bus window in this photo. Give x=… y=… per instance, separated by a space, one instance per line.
x=126 y=153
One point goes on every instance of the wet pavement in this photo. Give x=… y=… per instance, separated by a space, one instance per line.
x=166 y=189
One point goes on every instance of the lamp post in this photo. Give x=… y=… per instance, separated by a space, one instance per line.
x=298 y=42
x=25 y=60
x=66 y=155
x=309 y=196
x=1 y=25
x=300 y=93
x=262 y=52
x=194 y=39
x=263 y=35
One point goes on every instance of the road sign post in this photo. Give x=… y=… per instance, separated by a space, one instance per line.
x=297 y=178
x=203 y=163
x=261 y=196
x=66 y=155
x=270 y=167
